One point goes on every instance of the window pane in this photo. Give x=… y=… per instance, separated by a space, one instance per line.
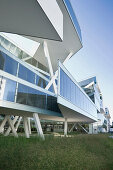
x=8 y=88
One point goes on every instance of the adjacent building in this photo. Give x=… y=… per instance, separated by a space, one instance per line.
x=92 y=89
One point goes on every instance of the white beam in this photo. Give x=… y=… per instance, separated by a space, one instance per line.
x=65 y=127
x=25 y=120
x=72 y=128
x=9 y=128
x=12 y=127
x=83 y=128
x=46 y=52
x=3 y=124
x=56 y=73
x=91 y=128
x=38 y=125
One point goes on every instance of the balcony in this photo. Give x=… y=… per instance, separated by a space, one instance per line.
x=72 y=97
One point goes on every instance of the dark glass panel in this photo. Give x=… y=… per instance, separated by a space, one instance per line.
x=22 y=94
x=10 y=65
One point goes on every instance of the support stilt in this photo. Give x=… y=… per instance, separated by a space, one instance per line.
x=12 y=126
x=38 y=125
x=91 y=128
x=83 y=128
x=65 y=127
x=9 y=128
x=72 y=128
x=29 y=126
x=25 y=119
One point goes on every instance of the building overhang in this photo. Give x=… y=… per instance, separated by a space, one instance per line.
x=35 y=18
x=71 y=42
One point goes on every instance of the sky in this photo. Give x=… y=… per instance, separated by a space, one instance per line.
x=95 y=18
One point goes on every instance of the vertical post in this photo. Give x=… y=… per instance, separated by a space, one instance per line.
x=46 y=52
x=25 y=119
x=29 y=126
x=38 y=125
x=91 y=128
x=65 y=127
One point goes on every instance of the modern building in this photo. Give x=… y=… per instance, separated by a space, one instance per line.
x=92 y=89
x=40 y=86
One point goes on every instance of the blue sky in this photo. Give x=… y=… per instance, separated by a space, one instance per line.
x=96 y=57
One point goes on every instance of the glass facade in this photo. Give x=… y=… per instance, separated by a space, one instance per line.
x=19 y=93
x=23 y=73
x=71 y=92
x=29 y=96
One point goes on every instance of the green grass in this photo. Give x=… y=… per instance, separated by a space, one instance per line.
x=81 y=152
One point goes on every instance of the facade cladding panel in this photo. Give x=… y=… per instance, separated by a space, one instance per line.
x=71 y=92
x=25 y=94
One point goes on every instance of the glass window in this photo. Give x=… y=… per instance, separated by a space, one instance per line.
x=8 y=64
x=30 y=76
x=22 y=94
x=22 y=72
x=70 y=91
x=9 y=88
x=41 y=82
x=26 y=74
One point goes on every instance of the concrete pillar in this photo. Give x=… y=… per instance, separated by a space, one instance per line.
x=91 y=128
x=65 y=127
x=25 y=120
x=38 y=125
x=29 y=126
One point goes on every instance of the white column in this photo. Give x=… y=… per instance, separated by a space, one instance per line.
x=46 y=52
x=38 y=125
x=56 y=73
x=9 y=128
x=12 y=127
x=3 y=124
x=25 y=120
x=91 y=128
x=65 y=127
x=29 y=126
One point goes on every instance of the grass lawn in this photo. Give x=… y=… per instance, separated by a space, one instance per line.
x=81 y=152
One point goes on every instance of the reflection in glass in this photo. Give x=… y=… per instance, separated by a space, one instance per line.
x=70 y=91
